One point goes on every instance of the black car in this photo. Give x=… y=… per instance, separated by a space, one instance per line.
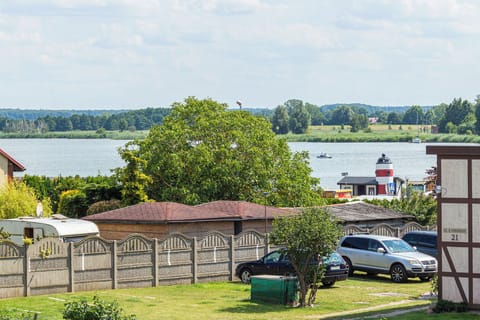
x=423 y=241
x=277 y=263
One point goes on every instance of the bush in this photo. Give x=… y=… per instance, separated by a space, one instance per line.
x=98 y=310
x=435 y=284
x=102 y=206
x=449 y=306
x=73 y=204
x=6 y=314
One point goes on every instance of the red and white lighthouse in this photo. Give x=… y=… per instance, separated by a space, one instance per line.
x=384 y=175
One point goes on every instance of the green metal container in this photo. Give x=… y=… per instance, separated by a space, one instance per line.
x=274 y=289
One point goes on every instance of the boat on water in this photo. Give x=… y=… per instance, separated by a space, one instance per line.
x=416 y=140
x=324 y=155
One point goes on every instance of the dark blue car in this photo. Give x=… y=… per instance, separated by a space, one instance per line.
x=277 y=263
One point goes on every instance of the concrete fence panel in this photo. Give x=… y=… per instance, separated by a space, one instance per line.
x=411 y=226
x=175 y=260
x=47 y=267
x=11 y=270
x=213 y=258
x=353 y=229
x=249 y=245
x=134 y=262
x=92 y=264
x=384 y=229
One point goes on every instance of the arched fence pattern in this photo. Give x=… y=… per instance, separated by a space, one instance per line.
x=52 y=266
x=384 y=229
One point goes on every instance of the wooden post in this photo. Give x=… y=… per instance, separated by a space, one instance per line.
x=195 y=260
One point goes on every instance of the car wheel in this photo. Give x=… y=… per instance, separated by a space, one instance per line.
x=398 y=273
x=328 y=283
x=350 y=267
x=425 y=278
x=245 y=276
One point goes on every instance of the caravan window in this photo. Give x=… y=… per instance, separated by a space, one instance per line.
x=33 y=233
x=28 y=233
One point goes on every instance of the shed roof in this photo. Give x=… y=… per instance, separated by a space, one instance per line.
x=169 y=212
x=17 y=166
x=247 y=210
x=361 y=211
x=160 y=212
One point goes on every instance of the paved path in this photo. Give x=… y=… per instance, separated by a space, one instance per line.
x=351 y=313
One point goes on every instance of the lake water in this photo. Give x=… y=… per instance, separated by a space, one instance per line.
x=65 y=157
x=90 y=157
x=409 y=160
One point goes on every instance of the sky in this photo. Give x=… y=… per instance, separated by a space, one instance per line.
x=117 y=54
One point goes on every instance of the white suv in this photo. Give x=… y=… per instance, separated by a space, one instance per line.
x=388 y=255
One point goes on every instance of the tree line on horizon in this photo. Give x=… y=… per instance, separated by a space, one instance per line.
x=295 y=116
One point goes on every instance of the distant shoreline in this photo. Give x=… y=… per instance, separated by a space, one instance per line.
x=113 y=135
x=325 y=134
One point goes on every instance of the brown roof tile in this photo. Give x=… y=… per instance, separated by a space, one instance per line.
x=162 y=212
x=167 y=212
x=246 y=210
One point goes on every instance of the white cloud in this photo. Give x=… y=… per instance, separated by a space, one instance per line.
x=159 y=51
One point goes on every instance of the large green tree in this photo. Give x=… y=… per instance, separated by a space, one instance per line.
x=342 y=115
x=299 y=117
x=316 y=115
x=477 y=114
x=280 y=120
x=359 y=122
x=307 y=237
x=204 y=152
x=131 y=176
x=394 y=118
x=460 y=114
x=414 y=115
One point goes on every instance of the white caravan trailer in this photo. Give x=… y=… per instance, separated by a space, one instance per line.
x=58 y=226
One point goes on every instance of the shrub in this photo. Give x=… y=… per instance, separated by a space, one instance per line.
x=4 y=235
x=97 y=310
x=73 y=204
x=102 y=206
x=6 y=314
x=435 y=284
x=449 y=306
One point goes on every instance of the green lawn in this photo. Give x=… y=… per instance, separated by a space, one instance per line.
x=232 y=301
